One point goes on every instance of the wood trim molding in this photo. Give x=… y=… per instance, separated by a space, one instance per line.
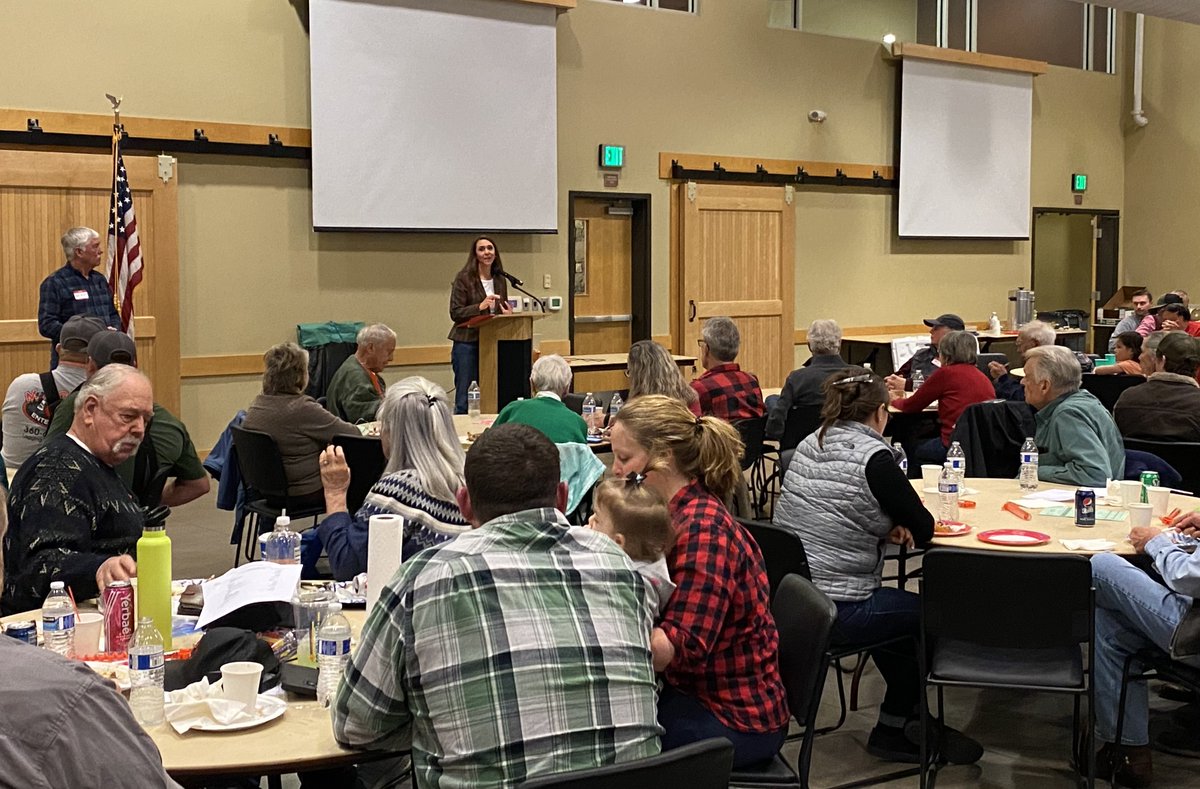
x=748 y=164
x=561 y=5
x=155 y=128
x=902 y=49
x=22 y=331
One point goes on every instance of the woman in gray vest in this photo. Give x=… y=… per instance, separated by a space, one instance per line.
x=846 y=497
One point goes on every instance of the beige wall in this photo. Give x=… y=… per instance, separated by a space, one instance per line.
x=1162 y=233
x=721 y=82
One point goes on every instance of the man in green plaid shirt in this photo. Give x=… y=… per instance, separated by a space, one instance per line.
x=518 y=649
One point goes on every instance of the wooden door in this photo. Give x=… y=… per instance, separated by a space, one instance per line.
x=737 y=258
x=603 y=311
x=42 y=194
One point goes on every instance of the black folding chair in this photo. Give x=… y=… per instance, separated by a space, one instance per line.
x=1153 y=663
x=265 y=486
x=1183 y=456
x=1107 y=388
x=364 y=456
x=1031 y=636
x=801 y=422
x=699 y=765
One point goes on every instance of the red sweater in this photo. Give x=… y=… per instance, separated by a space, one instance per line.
x=954 y=387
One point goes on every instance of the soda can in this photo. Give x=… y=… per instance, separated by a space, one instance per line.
x=1085 y=507
x=118 y=616
x=22 y=631
x=1149 y=480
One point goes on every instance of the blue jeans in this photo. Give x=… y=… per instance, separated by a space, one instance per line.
x=686 y=720
x=464 y=359
x=931 y=451
x=887 y=613
x=1132 y=611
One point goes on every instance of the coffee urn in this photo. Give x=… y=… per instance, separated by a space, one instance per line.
x=1020 y=308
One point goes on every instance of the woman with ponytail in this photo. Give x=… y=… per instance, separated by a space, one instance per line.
x=717 y=640
x=847 y=498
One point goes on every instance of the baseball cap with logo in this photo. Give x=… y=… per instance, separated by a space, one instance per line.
x=78 y=331
x=949 y=320
x=107 y=347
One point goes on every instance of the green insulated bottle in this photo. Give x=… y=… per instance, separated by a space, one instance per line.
x=154 y=578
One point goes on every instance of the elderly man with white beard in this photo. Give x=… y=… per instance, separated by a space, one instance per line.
x=71 y=518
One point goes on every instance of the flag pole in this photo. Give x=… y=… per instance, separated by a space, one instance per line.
x=112 y=202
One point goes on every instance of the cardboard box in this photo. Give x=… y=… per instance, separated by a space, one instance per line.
x=1122 y=299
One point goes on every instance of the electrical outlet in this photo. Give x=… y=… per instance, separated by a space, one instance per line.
x=546 y=281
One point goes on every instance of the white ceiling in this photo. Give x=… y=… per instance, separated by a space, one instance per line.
x=1184 y=10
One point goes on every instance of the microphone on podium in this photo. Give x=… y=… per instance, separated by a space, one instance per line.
x=512 y=280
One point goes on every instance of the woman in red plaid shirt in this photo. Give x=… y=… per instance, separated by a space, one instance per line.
x=716 y=643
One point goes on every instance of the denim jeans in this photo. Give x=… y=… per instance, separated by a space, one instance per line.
x=1132 y=611
x=932 y=451
x=464 y=359
x=886 y=613
x=686 y=720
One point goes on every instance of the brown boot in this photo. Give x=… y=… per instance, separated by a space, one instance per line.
x=1125 y=765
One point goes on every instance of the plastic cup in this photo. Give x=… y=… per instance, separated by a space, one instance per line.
x=1131 y=491
x=929 y=476
x=309 y=607
x=1159 y=499
x=1140 y=514
x=88 y=627
x=239 y=682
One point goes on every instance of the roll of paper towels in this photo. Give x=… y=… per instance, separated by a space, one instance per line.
x=385 y=538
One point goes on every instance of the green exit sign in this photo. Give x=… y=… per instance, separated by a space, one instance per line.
x=1078 y=182
x=612 y=156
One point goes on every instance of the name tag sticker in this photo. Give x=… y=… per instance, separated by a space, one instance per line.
x=81 y=295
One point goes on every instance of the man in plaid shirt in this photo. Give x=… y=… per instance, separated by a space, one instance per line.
x=75 y=289
x=518 y=649
x=725 y=391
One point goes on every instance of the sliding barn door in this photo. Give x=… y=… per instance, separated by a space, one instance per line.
x=737 y=258
x=42 y=194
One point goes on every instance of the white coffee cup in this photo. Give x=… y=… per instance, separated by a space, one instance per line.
x=239 y=682
x=1131 y=491
x=1159 y=499
x=1140 y=514
x=929 y=476
x=88 y=627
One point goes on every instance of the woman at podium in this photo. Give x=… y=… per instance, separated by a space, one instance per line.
x=478 y=289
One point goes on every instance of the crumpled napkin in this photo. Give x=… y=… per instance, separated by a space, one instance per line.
x=1088 y=545
x=202 y=703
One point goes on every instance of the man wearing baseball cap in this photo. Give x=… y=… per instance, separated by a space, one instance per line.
x=167 y=447
x=925 y=360
x=33 y=398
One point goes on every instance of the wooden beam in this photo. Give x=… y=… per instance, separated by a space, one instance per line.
x=748 y=164
x=154 y=128
x=561 y=5
x=19 y=331
x=903 y=49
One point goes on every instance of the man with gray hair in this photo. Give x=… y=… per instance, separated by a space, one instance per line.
x=75 y=289
x=356 y=389
x=550 y=379
x=71 y=518
x=1034 y=334
x=1077 y=439
x=725 y=391
x=803 y=387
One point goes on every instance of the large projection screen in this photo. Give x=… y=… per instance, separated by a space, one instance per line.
x=433 y=115
x=965 y=142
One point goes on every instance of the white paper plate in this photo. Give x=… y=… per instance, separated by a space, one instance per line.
x=115 y=672
x=268 y=708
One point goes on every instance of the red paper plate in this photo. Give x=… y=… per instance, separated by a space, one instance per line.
x=1020 y=538
x=959 y=530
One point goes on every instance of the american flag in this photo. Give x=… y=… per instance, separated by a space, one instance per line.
x=124 y=251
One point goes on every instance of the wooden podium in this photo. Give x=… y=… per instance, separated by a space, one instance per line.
x=505 y=357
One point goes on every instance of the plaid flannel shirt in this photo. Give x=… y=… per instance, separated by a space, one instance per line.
x=719 y=619
x=518 y=649
x=727 y=392
x=57 y=302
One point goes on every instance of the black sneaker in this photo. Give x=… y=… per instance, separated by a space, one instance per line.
x=890 y=744
x=952 y=745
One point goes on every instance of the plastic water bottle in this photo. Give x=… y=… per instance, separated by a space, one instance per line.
x=591 y=417
x=948 y=495
x=958 y=461
x=473 y=399
x=333 y=653
x=614 y=407
x=58 y=620
x=918 y=378
x=994 y=324
x=1029 y=465
x=146 y=673
x=285 y=543
x=902 y=460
